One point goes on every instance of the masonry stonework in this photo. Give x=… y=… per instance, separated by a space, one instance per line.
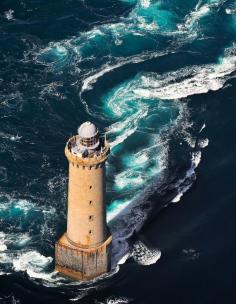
x=83 y=251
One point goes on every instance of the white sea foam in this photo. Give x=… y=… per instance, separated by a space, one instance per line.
x=21 y=205
x=126 y=127
x=31 y=260
x=87 y=83
x=145 y=3
x=177 y=198
x=117 y=300
x=121 y=138
x=90 y=80
x=3 y=245
x=16 y=239
x=131 y=220
x=198 y=13
x=230 y=11
x=183 y=187
x=126 y=215
x=13 y=245
x=19 y=259
x=34 y=264
x=22 y=239
x=182 y=190
x=147 y=26
x=202 y=128
x=144 y=255
x=203 y=143
x=196 y=158
x=9 y=15
x=10 y=136
x=197 y=80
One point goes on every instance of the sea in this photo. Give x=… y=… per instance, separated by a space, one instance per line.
x=158 y=77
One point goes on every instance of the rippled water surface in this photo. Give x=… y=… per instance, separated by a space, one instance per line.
x=158 y=78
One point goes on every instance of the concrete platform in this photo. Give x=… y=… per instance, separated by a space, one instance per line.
x=81 y=263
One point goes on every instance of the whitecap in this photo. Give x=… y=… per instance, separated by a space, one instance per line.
x=145 y=3
x=117 y=300
x=9 y=15
x=184 y=184
x=197 y=79
x=33 y=263
x=203 y=143
x=108 y=67
x=230 y=11
x=144 y=255
x=196 y=158
x=202 y=128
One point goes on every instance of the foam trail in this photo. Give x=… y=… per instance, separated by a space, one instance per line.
x=190 y=175
x=213 y=77
x=135 y=34
x=202 y=128
x=108 y=67
x=126 y=127
x=198 y=13
x=117 y=300
x=198 y=79
x=87 y=83
x=143 y=255
x=140 y=166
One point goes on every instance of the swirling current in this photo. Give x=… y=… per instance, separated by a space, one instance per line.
x=148 y=73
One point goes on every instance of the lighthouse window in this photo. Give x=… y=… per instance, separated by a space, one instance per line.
x=89 y=142
x=90 y=187
x=90 y=202
x=90 y=231
x=91 y=217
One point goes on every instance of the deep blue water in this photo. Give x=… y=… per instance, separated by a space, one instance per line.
x=159 y=78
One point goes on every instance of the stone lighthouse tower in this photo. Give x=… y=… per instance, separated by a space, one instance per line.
x=83 y=251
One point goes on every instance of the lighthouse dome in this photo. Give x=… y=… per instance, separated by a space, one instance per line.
x=87 y=130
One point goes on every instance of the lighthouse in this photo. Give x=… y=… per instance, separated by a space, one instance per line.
x=83 y=251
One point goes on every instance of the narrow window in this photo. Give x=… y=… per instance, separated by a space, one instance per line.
x=90 y=202
x=90 y=232
x=91 y=217
x=90 y=187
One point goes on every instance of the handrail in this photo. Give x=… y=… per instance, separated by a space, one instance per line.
x=94 y=158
